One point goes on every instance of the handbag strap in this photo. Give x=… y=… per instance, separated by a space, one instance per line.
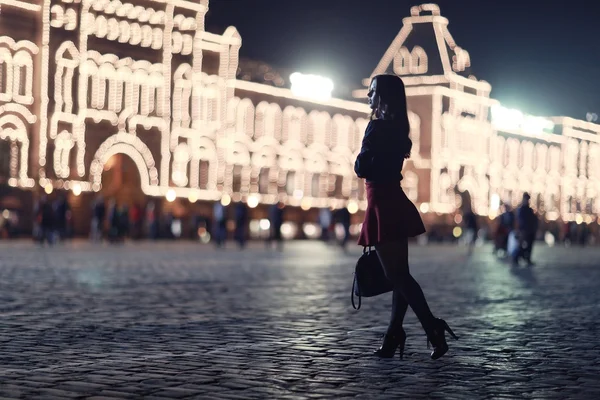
x=352 y=295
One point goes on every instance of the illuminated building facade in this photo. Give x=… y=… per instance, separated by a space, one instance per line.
x=82 y=81
x=472 y=148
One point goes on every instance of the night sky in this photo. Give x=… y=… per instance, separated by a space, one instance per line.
x=543 y=59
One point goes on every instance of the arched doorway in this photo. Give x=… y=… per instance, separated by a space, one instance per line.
x=121 y=181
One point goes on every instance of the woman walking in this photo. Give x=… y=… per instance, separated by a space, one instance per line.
x=391 y=218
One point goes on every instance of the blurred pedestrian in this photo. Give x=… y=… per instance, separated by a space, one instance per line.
x=47 y=221
x=113 y=221
x=343 y=218
x=61 y=211
x=506 y=223
x=241 y=223
x=124 y=227
x=471 y=228
x=151 y=221
x=220 y=218
x=527 y=223
x=325 y=223
x=136 y=221
x=98 y=215
x=276 y=218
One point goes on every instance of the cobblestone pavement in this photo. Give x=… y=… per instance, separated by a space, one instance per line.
x=178 y=320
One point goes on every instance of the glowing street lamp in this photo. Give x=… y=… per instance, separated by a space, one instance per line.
x=311 y=86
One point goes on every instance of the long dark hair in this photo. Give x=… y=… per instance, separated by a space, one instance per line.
x=391 y=92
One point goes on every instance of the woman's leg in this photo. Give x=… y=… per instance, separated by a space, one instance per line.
x=394 y=259
x=399 y=307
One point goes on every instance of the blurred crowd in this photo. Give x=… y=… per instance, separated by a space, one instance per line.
x=52 y=221
x=513 y=229
x=115 y=223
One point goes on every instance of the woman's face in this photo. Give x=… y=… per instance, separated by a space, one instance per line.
x=373 y=96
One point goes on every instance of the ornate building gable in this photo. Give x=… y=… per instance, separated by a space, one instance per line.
x=425 y=53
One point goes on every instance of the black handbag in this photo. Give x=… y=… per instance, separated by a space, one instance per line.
x=369 y=277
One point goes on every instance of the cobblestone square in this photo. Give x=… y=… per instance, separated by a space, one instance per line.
x=182 y=320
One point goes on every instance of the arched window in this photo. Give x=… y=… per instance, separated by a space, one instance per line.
x=182 y=93
x=335 y=186
x=97 y=92
x=207 y=98
x=419 y=62
x=204 y=174
x=140 y=79
x=181 y=160
x=461 y=60
x=551 y=202
x=5 y=158
x=263 y=181
x=294 y=125
x=23 y=77
x=583 y=155
x=62 y=161
x=513 y=153
x=245 y=118
x=236 y=185
x=554 y=159
x=499 y=149
x=593 y=160
x=402 y=61
x=540 y=158
x=155 y=84
x=6 y=75
x=315 y=185
x=342 y=131
x=539 y=202
x=527 y=154
x=290 y=183
x=268 y=120
x=66 y=61
x=319 y=127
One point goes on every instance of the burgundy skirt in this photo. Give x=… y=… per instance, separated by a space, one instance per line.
x=390 y=215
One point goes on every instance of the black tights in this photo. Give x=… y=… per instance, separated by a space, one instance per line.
x=407 y=291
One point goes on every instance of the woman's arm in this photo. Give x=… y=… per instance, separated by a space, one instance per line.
x=363 y=165
x=381 y=156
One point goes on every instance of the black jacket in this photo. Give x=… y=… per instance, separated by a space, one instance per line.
x=382 y=153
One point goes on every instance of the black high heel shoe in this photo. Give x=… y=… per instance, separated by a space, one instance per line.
x=437 y=338
x=391 y=342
